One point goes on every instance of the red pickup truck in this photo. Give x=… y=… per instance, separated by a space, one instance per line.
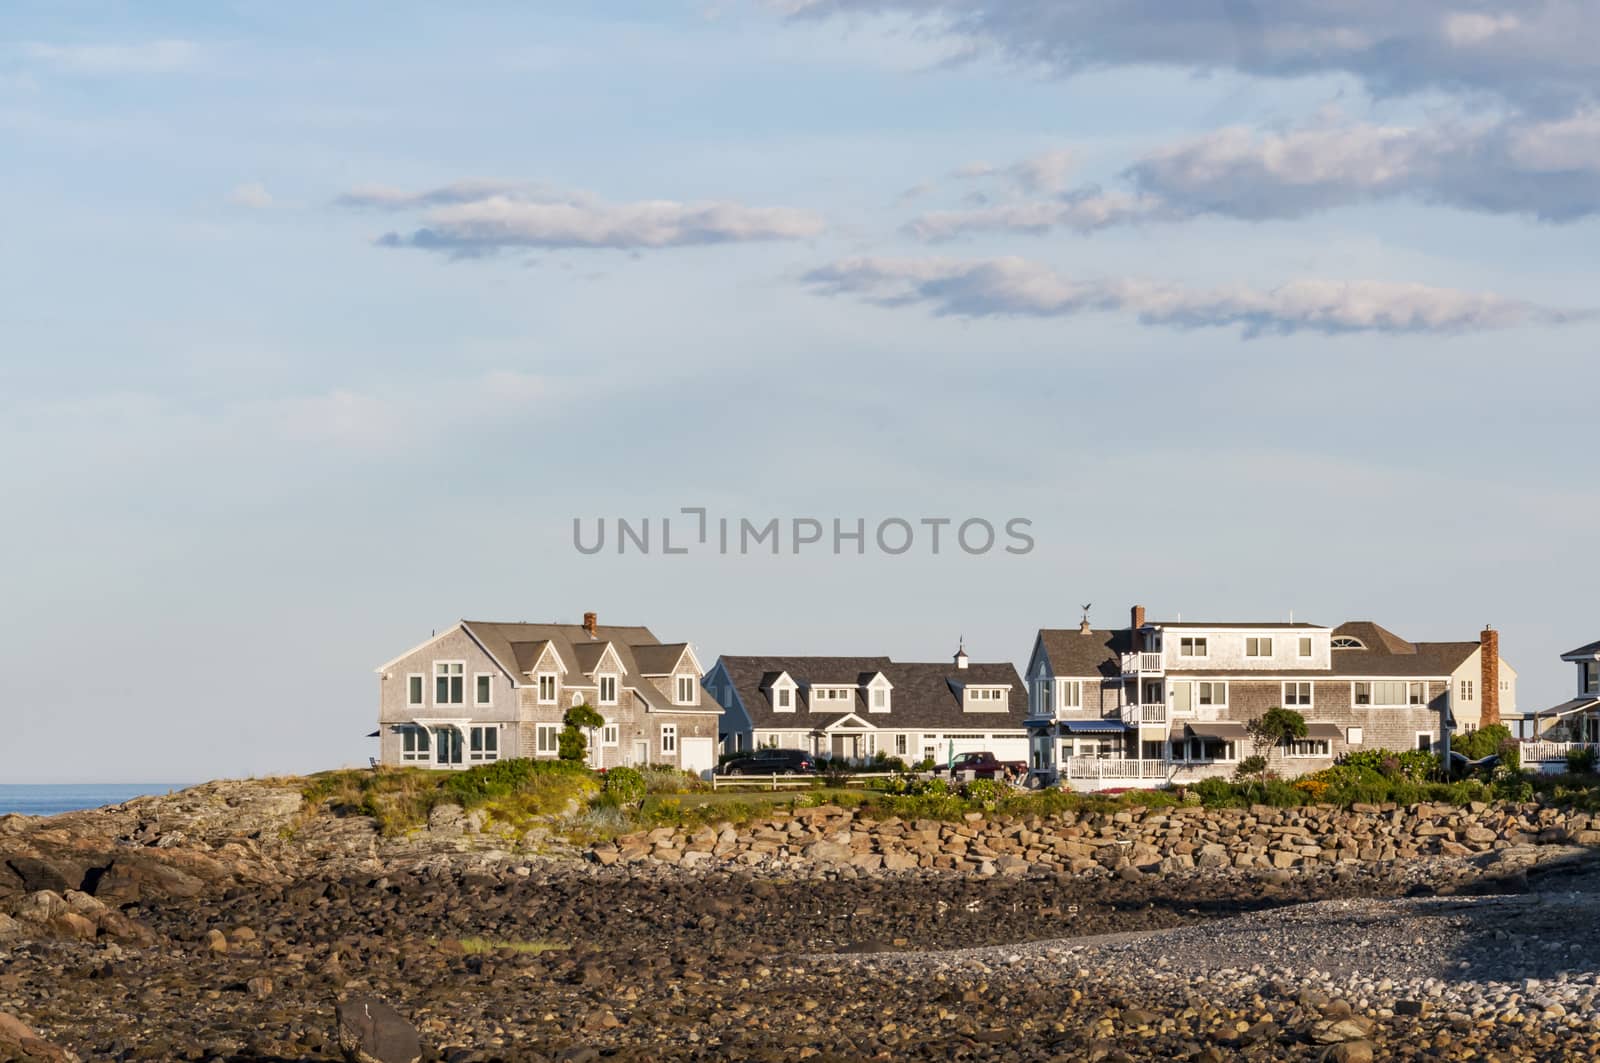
x=986 y=765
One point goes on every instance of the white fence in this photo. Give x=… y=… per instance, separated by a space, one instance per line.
x=1540 y=752
x=1112 y=768
x=791 y=782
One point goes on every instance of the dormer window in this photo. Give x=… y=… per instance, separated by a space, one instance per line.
x=1258 y=647
x=686 y=690
x=1589 y=677
x=1347 y=642
x=831 y=699
x=784 y=700
x=547 y=688
x=608 y=689
x=1193 y=647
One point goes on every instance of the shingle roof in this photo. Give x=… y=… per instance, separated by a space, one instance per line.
x=1589 y=650
x=923 y=695
x=518 y=646
x=1265 y=624
x=658 y=660
x=1075 y=654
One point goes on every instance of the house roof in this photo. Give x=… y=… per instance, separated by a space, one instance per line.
x=1226 y=624
x=519 y=646
x=658 y=660
x=1590 y=650
x=1075 y=653
x=923 y=695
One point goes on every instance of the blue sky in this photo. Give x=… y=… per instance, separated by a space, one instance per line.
x=323 y=322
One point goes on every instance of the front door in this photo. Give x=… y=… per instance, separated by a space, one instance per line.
x=447 y=747
x=641 y=753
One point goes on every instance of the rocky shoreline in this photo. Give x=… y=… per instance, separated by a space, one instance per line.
x=225 y=923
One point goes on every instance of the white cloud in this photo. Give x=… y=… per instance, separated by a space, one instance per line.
x=1017 y=287
x=1084 y=211
x=483 y=217
x=100 y=60
x=1043 y=173
x=252 y=195
x=1528 y=50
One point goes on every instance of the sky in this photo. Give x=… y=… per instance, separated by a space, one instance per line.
x=323 y=324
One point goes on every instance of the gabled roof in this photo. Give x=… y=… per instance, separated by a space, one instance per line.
x=1389 y=654
x=519 y=646
x=1582 y=652
x=923 y=695
x=1074 y=654
x=659 y=660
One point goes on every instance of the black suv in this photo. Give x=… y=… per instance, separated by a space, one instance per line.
x=772 y=762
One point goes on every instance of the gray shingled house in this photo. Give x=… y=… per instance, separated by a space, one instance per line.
x=483 y=691
x=857 y=707
x=1578 y=718
x=1168 y=701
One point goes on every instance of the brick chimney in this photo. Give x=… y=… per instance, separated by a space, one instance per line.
x=1136 y=621
x=1489 y=671
x=590 y=622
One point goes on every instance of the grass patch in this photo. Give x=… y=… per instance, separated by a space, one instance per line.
x=515 y=793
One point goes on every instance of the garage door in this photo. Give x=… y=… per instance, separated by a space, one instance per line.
x=698 y=754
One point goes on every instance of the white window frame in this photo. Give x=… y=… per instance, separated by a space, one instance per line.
x=610 y=734
x=1194 y=647
x=1466 y=690
x=679 y=685
x=1309 y=748
x=784 y=702
x=479 y=738
x=421 y=682
x=1410 y=688
x=1311 y=695
x=1418 y=741
x=477 y=680
x=1072 y=693
x=416 y=745
x=1346 y=642
x=879 y=702
x=1589 y=677
x=1354 y=736
x=1199 y=693
x=603 y=681
x=443 y=670
x=1307 y=647
x=902 y=745
x=669 y=739
x=554 y=688
x=1261 y=642
x=546 y=739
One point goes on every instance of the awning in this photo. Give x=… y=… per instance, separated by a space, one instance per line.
x=1094 y=727
x=1324 y=730
x=375 y=734
x=1567 y=708
x=1226 y=730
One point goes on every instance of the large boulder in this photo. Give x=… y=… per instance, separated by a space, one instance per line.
x=19 y=1044
x=370 y=1031
x=37 y=875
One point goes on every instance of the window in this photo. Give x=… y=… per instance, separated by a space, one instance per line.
x=1044 y=692
x=1589 y=677
x=1193 y=647
x=483 y=689
x=880 y=700
x=448 y=683
x=785 y=700
x=547 y=688
x=608 y=690
x=1466 y=690
x=414 y=690
x=414 y=742
x=1352 y=736
x=1305 y=647
x=447 y=746
x=1346 y=642
x=483 y=743
x=1297 y=693
x=902 y=745
x=1391 y=693
x=1072 y=694
x=830 y=694
x=669 y=738
x=686 y=689
x=1425 y=741
x=610 y=735
x=546 y=740
x=1309 y=747
x=1212 y=693
x=1204 y=750
x=1258 y=647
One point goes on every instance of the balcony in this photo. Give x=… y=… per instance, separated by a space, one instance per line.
x=1142 y=664
x=1113 y=768
x=1148 y=714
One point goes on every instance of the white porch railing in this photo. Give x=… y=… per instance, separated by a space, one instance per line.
x=1114 y=768
x=1533 y=752
x=1142 y=664
x=1155 y=712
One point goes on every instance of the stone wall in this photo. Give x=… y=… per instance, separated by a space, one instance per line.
x=1133 y=841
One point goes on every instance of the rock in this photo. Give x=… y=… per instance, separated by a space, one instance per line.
x=40 y=875
x=216 y=941
x=1334 y=1031
x=41 y=907
x=370 y=1031
x=259 y=987
x=18 y=1042
x=1350 y=1052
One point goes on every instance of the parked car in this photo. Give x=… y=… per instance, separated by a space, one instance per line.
x=772 y=762
x=985 y=765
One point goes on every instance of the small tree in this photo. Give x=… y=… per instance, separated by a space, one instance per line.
x=572 y=742
x=1275 y=727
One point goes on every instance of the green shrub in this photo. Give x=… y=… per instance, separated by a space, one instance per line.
x=983 y=791
x=910 y=786
x=1475 y=745
x=1219 y=793
x=1580 y=761
x=626 y=785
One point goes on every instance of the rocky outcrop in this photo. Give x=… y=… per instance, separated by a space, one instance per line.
x=1135 y=841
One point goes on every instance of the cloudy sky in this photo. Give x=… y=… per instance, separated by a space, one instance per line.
x=324 y=322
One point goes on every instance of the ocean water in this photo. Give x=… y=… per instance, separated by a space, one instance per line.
x=47 y=799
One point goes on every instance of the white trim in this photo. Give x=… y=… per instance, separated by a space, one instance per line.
x=484 y=732
x=422 y=690
x=669 y=734
x=1212 y=704
x=419 y=647
x=600 y=688
x=482 y=704
x=1355 y=735
x=1192 y=639
x=555 y=688
x=539 y=731
x=1407 y=704
x=1290 y=753
x=839 y=724
x=1311 y=694
x=614 y=730
x=1421 y=734
x=1271 y=647
x=677 y=689
x=435 y=702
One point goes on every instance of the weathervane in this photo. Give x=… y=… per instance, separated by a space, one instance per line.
x=1086 y=609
